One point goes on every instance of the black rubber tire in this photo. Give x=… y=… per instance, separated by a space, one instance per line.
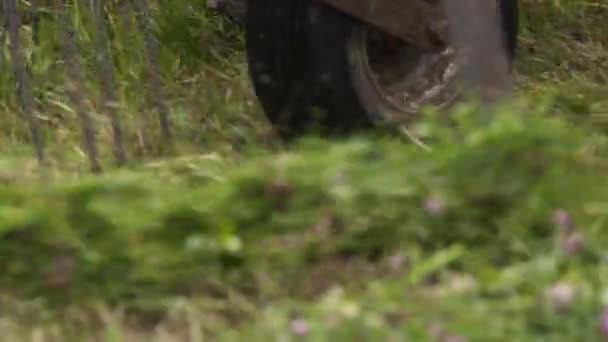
x=301 y=68
x=289 y=88
x=509 y=10
x=276 y=56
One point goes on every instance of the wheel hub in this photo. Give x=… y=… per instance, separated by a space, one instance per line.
x=406 y=76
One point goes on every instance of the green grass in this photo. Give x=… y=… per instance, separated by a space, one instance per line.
x=266 y=240
x=367 y=239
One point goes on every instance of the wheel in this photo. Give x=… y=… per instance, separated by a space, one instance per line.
x=339 y=74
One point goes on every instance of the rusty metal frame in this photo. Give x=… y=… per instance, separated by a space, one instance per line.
x=415 y=21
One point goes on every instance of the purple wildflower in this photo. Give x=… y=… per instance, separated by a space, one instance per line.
x=572 y=243
x=604 y=323
x=299 y=327
x=561 y=218
x=435 y=331
x=561 y=295
x=434 y=206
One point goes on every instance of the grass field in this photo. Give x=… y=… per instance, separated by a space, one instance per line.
x=497 y=234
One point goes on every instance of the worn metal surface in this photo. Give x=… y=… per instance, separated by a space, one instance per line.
x=475 y=28
x=417 y=21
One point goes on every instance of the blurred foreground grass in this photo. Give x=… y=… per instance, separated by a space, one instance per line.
x=498 y=234
x=470 y=237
